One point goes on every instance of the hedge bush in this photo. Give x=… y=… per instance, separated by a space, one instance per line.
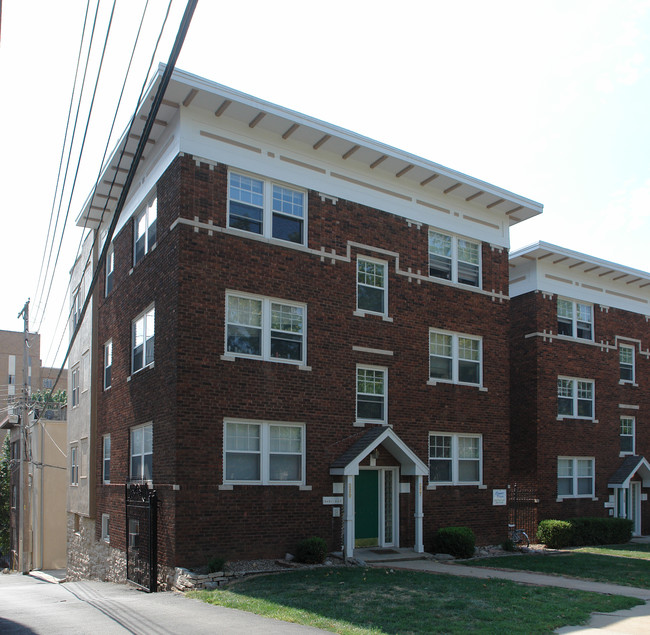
x=311 y=550
x=584 y=531
x=216 y=564
x=456 y=541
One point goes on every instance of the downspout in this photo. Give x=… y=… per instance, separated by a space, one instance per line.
x=42 y=497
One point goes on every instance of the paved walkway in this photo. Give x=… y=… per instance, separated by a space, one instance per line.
x=629 y=622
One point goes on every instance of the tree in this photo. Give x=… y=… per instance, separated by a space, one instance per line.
x=5 y=497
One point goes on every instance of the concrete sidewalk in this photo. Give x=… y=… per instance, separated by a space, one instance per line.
x=629 y=622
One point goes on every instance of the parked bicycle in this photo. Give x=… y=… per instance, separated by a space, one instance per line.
x=518 y=536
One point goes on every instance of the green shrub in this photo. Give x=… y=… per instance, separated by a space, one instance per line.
x=456 y=541
x=311 y=550
x=508 y=545
x=216 y=564
x=584 y=531
x=555 y=533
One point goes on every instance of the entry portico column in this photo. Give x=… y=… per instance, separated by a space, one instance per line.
x=419 y=544
x=348 y=517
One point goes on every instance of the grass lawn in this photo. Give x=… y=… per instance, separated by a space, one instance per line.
x=357 y=600
x=588 y=563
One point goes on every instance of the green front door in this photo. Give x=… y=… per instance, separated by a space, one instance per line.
x=366 y=520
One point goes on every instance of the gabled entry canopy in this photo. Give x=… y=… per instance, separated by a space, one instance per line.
x=347 y=464
x=631 y=465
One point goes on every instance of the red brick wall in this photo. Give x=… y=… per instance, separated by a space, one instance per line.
x=191 y=390
x=538 y=437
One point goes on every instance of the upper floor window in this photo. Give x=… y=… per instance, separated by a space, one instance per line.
x=142 y=453
x=455 y=358
x=575 y=477
x=372 y=394
x=74 y=465
x=575 y=398
x=265 y=328
x=110 y=268
x=108 y=363
x=575 y=319
x=48 y=383
x=627 y=435
x=105 y=528
x=143 y=332
x=106 y=459
x=455 y=459
x=75 y=386
x=454 y=258
x=76 y=308
x=266 y=208
x=626 y=362
x=372 y=286
x=264 y=453
x=145 y=231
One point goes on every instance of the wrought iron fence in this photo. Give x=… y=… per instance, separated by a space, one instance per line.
x=141 y=536
x=522 y=509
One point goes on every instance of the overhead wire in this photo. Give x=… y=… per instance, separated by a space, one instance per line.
x=65 y=136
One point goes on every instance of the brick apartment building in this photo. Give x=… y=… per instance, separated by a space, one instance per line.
x=299 y=331
x=580 y=386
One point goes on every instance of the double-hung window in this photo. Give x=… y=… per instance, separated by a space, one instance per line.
x=575 y=398
x=372 y=394
x=455 y=358
x=372 y=286
x=106 y=537
x=267 y=208
x=575 y=319
x=74 y=465
x=145 y=231
x=264 y=453
x=142 y=453
x=142 y=340
x=575 y=477
x=265 y=328
x=455 y=459
x=106 y=459
x=627 y=435
x=76 y=308
x=454 y=258
x=75 y=386
x=626 y=362
x=110 y=269
x=108 y=363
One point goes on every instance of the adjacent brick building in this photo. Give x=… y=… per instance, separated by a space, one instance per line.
x=580 y=383
x=300 y=331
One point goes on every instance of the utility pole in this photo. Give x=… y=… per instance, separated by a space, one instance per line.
x=23 y=512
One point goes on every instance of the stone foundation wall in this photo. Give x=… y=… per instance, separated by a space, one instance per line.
x=89 y=558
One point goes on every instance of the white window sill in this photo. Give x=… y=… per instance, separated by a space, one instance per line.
x=228 y=487
x=362 y=423
x=625 y=382
x=559 y=499
x=620 y=454
x=571 y=418
x=577 y=340
x=435 y=382
x=232 y=358
x=362 y=313
x=140 y=370
x=433 y=486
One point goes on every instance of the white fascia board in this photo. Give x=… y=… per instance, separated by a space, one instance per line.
x=203 y=84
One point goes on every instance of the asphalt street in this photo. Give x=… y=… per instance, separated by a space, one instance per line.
x=29 y=605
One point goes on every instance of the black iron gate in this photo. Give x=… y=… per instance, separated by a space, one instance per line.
x=522 y=509
x=141 y=536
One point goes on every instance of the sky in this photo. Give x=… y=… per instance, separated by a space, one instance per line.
x=550 y=100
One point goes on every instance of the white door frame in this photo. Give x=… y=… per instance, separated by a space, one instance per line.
x=634 y=498
x=394 y=472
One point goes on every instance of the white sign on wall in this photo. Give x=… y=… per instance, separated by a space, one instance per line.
x=332 y=500
x=499 y=497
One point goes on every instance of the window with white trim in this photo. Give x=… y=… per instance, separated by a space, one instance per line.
x=141 y=453
x=455 y=358
x=455 y=459
x=106 y=537
x=267 y=208
x=372 y=394
x=142 y=339
x=372 y=286
x=454 y=258
x=626 y=362
x=265 y=328
x=575 y=398
x=264 y=453
x=48 y=383
x=74 y=465
x=108 y=364
x=145 y=231
x=110 y=269
x=575 y=319
x=75 y=386
x=76 y=308
x=627 y=435
x=575 y=477
x=106 y=459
